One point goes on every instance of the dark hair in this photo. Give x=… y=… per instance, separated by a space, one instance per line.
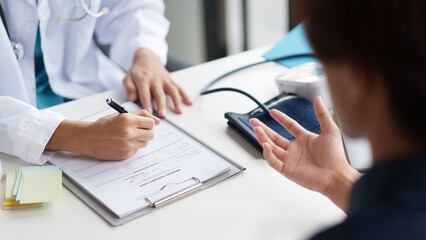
x=384 y=36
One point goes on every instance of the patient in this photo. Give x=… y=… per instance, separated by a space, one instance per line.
x=374 y=55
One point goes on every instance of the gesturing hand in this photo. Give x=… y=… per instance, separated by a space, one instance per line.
x=316 y=162
x=149 y=78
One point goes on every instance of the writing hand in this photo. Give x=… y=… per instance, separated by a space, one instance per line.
x=114 y=137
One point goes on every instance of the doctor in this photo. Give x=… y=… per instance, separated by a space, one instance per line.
x=55 y=58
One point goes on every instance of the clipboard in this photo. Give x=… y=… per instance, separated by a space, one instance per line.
x=114 y=220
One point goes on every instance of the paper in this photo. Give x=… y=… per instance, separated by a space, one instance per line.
x=11 y=176
x=41 y=187
x=294 y=43
x=12 y=204
x=17 y=191
x=30 y=186
x=17 y=183
x=123 y=185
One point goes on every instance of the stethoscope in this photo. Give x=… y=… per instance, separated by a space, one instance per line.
x=87 y=11
x=18 y=48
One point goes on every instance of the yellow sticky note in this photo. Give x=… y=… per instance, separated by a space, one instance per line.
x=11 y=176
x=41 y=187
x=12 y=204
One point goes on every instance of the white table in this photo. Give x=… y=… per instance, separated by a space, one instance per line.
x=257 y=204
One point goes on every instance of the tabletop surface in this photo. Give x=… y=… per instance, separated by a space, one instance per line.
x=257 y=204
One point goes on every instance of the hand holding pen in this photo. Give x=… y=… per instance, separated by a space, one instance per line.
x=113 y=137
x=116 y=137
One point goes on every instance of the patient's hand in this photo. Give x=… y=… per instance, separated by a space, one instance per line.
x=148 y=79
x=113 y=137
x=316 y=162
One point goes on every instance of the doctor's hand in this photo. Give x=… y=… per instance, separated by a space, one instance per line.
x=148 y=79
x=114 y=137
x=317 y=162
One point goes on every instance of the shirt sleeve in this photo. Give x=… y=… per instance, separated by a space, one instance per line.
x=25 y=130
x=130 y=25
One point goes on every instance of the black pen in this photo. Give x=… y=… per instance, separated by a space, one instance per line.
x=116 y=106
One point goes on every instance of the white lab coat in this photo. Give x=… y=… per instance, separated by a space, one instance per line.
x=75 y=66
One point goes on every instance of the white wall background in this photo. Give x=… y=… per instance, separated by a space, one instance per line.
x=186 y=36
x=267 y=23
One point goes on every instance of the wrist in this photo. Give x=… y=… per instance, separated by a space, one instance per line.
x=141 y=53
x=68 y=136
x=340 y=186
x=144 y=53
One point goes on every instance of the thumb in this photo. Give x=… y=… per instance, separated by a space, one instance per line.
x=325 y=120
x=130 y=88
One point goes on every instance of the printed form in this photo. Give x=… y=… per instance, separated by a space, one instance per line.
x=171 y=157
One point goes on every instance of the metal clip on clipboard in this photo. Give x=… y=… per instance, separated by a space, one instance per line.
x=176 y=195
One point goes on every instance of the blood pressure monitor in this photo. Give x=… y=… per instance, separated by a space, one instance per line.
x=307 y=81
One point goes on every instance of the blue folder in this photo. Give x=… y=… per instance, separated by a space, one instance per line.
x=294 y=43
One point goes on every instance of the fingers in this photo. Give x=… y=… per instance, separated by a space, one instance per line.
x=160 y=98
x=135 y=84
x=185 y=96
x=272 y=160
x=128 y=149
x=140 y=144
x=324 y=118
x=148 y=84
x=145 y=113
x=144 y=135
x=177 y=95
x=136 y=136
x=263 y=138
x=288 y=123
x=173 y=91
x=275 y=137
x=130 y=88
x=139 y=119
x=145 y=94
x=145 y=123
